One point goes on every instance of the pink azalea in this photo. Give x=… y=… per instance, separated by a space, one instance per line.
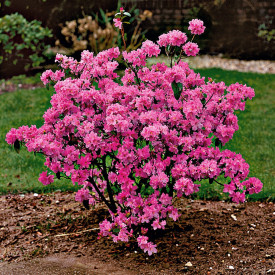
x=118 y=23
x=191 y=49
x=131 y=143
x=82 y=195
x=11 y=136
x=46 y=179
x=238 y=197
x=196 y=26
x=173 y=38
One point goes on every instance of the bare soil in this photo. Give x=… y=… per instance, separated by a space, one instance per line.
x=53 y=234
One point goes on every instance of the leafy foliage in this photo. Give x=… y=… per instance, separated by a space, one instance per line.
x=96 y=33
x=22 y=40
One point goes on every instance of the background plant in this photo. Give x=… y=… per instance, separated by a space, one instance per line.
x=266 y=30
x=97 y=33
x=22 y=41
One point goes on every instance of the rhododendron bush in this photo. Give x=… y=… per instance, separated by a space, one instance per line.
x=138 y=141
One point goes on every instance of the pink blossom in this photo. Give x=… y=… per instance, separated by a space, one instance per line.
x=11 y=136
x=150 y=248
x=118 y=23
x=196 y=26
x=238 y=197
x=191 y=49
x=229 y=188
x=82 y=195
x=173 y=38
x=46 y=179
x=150 y=48
x=253 y=185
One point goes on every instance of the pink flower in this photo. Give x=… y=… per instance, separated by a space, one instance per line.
x=150 y=48
x=150 y=248
x=253 y=185
x=174 y=214
x=85 y=161
x=11 y=136
x=229 y=188
x=173 y=38
x=186 y=185
x=196 y=26
x=118 y=23
x=45 y=178
x=82 y=195
x=191 y=49
x=238 y=197
x=142 y=240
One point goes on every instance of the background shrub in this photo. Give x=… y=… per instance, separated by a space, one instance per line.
x=97 y=33
x=22 y=43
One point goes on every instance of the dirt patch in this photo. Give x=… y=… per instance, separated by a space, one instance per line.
x=53 y=234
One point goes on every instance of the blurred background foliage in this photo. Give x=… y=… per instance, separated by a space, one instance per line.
x=97 y=32
x=22 y=43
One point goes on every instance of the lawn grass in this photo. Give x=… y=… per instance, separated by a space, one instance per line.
x=255 y=139
x=19 y=172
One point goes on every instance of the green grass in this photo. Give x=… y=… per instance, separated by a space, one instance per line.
x=255 y=139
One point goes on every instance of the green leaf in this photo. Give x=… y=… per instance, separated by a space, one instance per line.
x=103 y=15
x=149 y=191
x=177 y=89
x=127 y=14
x=7 y=3
x=20 y=47
x=116 y=230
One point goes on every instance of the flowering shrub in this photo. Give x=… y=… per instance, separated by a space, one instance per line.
x=138 y=141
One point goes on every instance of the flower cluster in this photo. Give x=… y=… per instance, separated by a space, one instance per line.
x=177 y=39
x=131 y=143
x=196 y=26
x=191 y=49
x=172 y=38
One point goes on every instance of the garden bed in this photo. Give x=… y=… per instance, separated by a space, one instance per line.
x=53 y=234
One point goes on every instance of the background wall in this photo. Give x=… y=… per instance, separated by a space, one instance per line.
x=232 y=24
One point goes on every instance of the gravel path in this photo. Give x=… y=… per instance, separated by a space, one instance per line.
x=257 y=66
x=208 y=61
